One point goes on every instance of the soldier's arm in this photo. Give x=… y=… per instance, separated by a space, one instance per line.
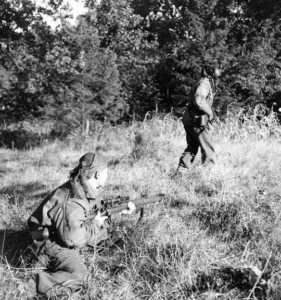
x=201 y=95
x=81 y=231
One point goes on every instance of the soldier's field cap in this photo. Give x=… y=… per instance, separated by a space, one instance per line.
x=93 y=162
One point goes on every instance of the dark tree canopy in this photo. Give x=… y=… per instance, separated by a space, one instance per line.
x=124 y=58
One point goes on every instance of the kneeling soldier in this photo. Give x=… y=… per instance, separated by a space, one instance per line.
x=59 y=226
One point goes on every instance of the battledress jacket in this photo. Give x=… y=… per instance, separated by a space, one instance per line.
x=200 y=101
x=65 y=213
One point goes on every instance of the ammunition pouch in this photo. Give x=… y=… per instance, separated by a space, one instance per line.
x=197 y=118
x=40 y=234
x=38 y=237
x=204 y=120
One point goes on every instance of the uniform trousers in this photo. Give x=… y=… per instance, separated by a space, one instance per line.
x=65 y=268
x=198 y=137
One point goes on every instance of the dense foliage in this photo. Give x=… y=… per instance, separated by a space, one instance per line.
x=124 y=58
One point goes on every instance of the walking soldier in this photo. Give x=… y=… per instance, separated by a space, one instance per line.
x=196 y=117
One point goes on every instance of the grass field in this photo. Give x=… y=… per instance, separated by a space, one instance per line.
x=216 y=236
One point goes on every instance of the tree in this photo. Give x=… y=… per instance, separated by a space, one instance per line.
x=24 y=40
x=121 y=31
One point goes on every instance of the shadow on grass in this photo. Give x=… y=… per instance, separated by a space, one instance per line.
x=13 y=243
x=4 y=171
x=225 y=279
x=20 y=139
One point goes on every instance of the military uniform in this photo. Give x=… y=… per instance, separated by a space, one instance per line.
x=195 y=119
x=64 y=215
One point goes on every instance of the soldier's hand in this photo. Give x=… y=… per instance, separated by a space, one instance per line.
x=99 y=219
x=131 y=208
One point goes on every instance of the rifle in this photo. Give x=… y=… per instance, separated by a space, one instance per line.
x=109 y=207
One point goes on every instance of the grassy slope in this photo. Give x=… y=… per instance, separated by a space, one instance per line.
x=213 y=225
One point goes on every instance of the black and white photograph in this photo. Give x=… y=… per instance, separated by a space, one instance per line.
x=140 y=149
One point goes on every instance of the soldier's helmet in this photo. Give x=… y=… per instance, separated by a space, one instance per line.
x=207 y=71
x=210 y=70
x=89 y=164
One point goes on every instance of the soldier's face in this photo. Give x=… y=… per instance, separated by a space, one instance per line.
x=102 y=177
x=98 y=180
x=218 y=72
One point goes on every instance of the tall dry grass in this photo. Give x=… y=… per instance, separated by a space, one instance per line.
x=216 y=236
